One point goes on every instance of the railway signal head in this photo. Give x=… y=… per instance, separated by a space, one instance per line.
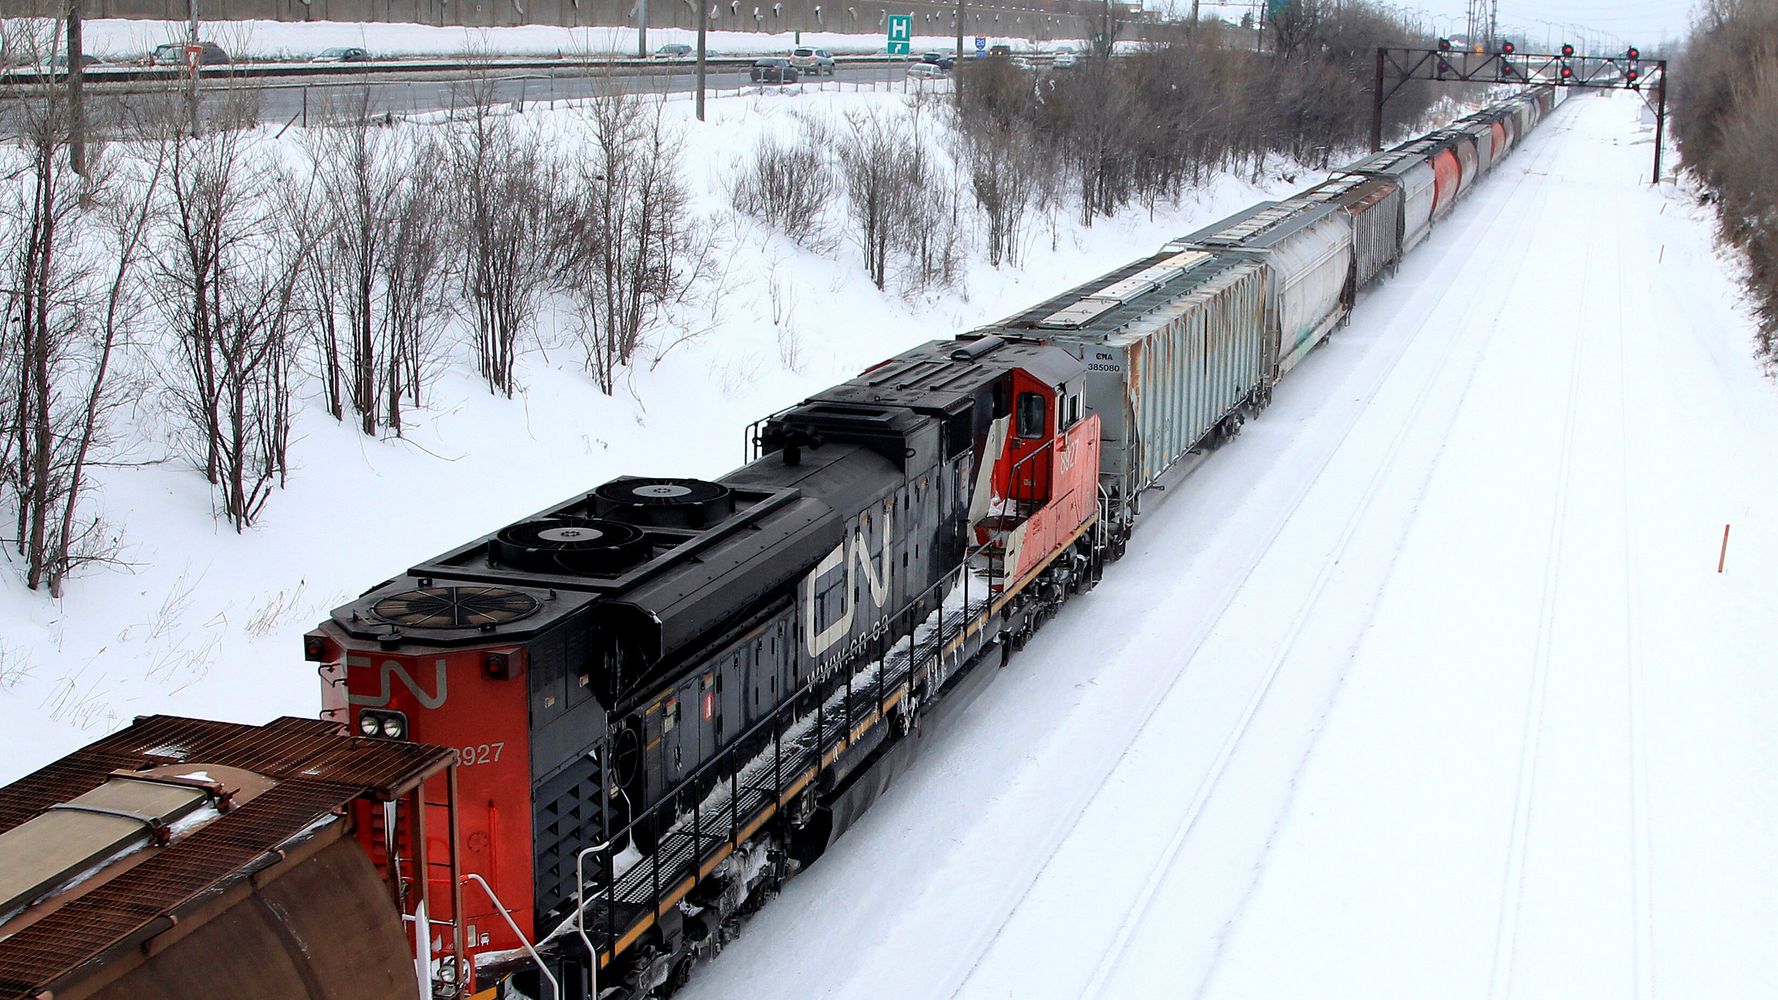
x=1634 y=53
x=1567 y=74
x=1567 y=51
x=1632 y=74
x=1444 y=45
x=1507 y=48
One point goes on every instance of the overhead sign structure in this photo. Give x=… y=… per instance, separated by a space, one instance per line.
x=901 y=34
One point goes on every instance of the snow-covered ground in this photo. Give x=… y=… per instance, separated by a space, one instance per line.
x=121 y=40
x=1428 y=686
x=203 y=622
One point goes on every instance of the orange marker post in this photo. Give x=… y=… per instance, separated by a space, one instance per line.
x=1724 y=556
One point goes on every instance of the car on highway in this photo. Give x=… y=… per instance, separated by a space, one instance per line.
x=344 y=54
x=775 y=69
x=1000 y=50
x=173 y=54
x=86 y=59
x=943 y=60
x=925 y=71
x=675 y=50
x=1064 y=58
x=812 y=61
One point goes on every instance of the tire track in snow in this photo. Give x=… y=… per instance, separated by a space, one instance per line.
x=1499 y=307
x=1642 y=945
x=1513 y=882
x=1059 y=834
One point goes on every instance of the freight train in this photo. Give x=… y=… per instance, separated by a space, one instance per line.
x=666 y=696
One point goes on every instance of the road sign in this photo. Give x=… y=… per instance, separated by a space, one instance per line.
x=901 y=33
x=981 y=44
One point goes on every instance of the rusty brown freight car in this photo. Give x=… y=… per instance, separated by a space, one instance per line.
x=180 y=858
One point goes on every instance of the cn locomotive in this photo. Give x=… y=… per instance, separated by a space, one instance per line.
x=665 y=696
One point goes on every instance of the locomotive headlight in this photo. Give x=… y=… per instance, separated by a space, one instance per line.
x=383 y=724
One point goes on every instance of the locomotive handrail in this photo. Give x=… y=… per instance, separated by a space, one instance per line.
x=821 y=691
x=555 y=988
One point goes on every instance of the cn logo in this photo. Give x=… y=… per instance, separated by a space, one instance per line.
x=876 y=580
x=391 y=670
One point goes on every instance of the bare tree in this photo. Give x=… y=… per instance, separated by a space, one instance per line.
x=628 y=244
x=372 y=290
x=871 y=153
x=505 y=186
x=413 y=287
x=227 y=260
x=1004 y=176
x=68 y=248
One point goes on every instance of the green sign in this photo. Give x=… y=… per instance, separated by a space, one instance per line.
x=901 y=34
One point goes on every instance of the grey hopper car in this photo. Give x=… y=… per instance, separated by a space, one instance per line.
x=1308 y=251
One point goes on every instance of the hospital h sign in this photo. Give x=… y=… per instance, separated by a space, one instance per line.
x=901 y=33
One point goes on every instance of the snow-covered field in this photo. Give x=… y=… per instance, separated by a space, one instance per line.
x=204 y=622
x=1428 y=686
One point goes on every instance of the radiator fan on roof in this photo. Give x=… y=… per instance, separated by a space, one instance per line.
x=455 y=607
x=570 y=544
x=680 y=503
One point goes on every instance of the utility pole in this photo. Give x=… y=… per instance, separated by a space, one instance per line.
x=193 y=64
x=76 y=86
x=642 y=29
x=703 y=26
x=959 y=32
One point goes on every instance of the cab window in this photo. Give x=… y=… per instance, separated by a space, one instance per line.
x=1030 y=416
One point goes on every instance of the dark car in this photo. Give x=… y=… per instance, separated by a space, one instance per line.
x=775 y=70
x=943 y=60
x=173 y=54
x=343 y=55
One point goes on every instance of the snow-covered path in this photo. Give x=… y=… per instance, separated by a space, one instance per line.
x=1426 y=687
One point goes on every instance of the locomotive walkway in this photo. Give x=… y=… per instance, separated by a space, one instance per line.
x=1428 y=685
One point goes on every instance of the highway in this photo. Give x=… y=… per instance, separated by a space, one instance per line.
x=301 y=99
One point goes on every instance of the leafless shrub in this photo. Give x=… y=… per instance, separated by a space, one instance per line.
x=788 y=183
x=628 y=245
x=903 y=202
x=1725 y=117
x=1146 y=125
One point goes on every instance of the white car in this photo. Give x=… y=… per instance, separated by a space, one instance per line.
x=1064 y=59
x=925 y=71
